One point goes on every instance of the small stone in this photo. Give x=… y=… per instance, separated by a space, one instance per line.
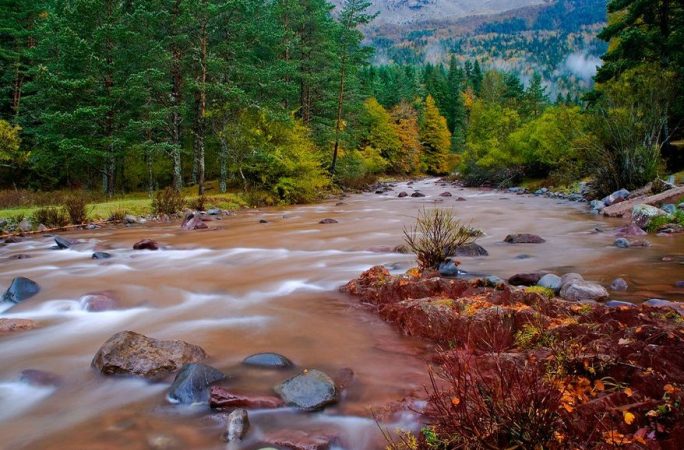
x=268 y=360
x=445 y=194
x=42 y=228
x=101 y=255
x=263 y=221
x=449 y=268
x=192 y=382
x=570 y=277
x=524 y=238
x=222 y=399
x=238 y=425
x=327 y=221
x=619 y=304
x=214 y=211
x=679 y=284
x=669 y=208
x=583 y=290
x=402 y=194
x=36 y=377
x=129 y=219
x=417 y=195
x=460 y=199
x=493 y=281
x=618 y=284
x=98 y=302
x=643 y=214
x=621 y=243
x=525 y=279
x=12 y=325
x=471 y=249
x=311 y=390
x=630 y=230
x=25 y=225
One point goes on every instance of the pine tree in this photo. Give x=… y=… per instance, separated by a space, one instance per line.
x=535 y=97
x=435 y=139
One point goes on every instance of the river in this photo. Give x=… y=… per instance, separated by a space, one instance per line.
x=243 y=287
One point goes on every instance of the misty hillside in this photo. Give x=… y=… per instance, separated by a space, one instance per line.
x=556 y=39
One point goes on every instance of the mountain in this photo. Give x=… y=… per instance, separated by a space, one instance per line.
x=555 y=38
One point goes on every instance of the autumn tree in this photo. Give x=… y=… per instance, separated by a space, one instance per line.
x=435 y=139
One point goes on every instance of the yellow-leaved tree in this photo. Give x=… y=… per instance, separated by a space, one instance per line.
x=435 y=139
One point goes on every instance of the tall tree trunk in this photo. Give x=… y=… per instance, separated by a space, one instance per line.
x=200 y=110
x=176 y=99
x=340 y=106
x=223 y=166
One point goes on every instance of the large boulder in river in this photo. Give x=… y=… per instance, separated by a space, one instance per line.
x=524 y=238
x=583 y=290
x=62 y=243
x=193 y=221
x=643 y=214
x=20 y=289
x=471 y=249
x=311 y=390
x=191 y=384
x=129 y=353
x=268 y=360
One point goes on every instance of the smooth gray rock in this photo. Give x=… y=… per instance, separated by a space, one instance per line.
x=524 y=238
x=643 y=214
x=238 y=425
x=311 y=390
x=618 y=284
x=62 y=243
x=268 y=360
x=669 y=208
x=570 y=277
x=583 y=290
x=616 y=197
x=619 y=303
x=448 y=268
x=467 y=250
x=192 y=382
x=101 y=255
x=551 y=281
x=621 y=243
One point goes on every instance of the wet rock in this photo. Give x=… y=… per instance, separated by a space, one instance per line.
x=12 y=240
x=417 y=195
x=618 y=284
x=471 y=249
x=344 y=378
x=98 y=302
x=340 y=204
x=268 y=360
x=214 y=212
x=445 y=194
x=300 y=440
x=129 y=219
x=448 y=268
x=129 y=353
x=669 y=208
x=402 y=194
x=146 y=244
x=36 y=377
x=327 y=221
x=630 y=230
x=679 y=284
x=597 y=205
x=42 y=228
x=193 y=221
x=460 y=199
x=20 y=256
x=639 y=243
x=643 y=214
x=192 y=382
x=263 y=221
x=238 y=425
x=20 y=289
x=583 y=290
x=570 y=277
x=62 y=243
x=221 y=398
x=311 y=390
x=523 y=256
x=525 y=279
x=101 y=255
x=403 y=249
x=12 y=325
x=621 y=243
x=551 y=281
x=524 y=238
x=619 y=304
x=616 y=197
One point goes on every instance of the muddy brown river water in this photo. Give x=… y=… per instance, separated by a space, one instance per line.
x=243 y=287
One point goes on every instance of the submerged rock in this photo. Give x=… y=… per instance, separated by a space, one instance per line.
x=618 y=284
x=268 y=360
x=583 y=290
x=402 y=194
x=129 y=353
x=238 y=425
x=101 y=255
x=630 y=230
x=524 y=238
x=98 y=302
x=327 y=221
x=300 y=440
x=12 y=325
x=146 y=244
x=417 y=195
x=221 y=398
x=311 y=390
x=192 y=382
x=36 y=377
x=445 y=194
x=20 y=289
x=621 y=243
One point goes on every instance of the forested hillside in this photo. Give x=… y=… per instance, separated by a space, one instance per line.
x=280 y=98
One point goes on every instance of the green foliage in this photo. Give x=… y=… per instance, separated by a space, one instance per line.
x=76 y=208
x=10 y=142
x=51 y=217
x=660 y=221
x=435 y=138
x=168 y=201
x=435 y=235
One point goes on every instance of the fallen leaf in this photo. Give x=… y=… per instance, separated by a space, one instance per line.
x=455 y=401
x=628 y=417
x=629 y=392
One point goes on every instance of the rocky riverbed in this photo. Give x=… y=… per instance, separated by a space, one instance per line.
x=195 y=302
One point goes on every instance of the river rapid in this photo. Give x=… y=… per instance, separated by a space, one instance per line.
x=243 y=287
